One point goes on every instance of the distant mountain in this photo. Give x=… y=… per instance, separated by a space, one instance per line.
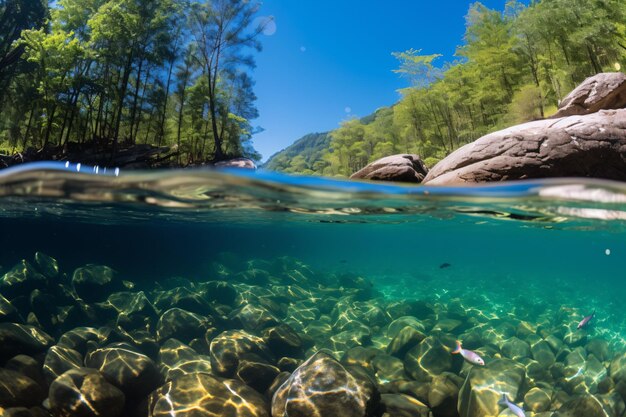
x=301 y=156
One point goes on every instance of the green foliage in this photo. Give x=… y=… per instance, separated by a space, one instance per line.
x=513 y=67
x=165 y=72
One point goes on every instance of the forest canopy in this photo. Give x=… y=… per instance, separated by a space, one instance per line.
x=513 y=66
x=111 y=73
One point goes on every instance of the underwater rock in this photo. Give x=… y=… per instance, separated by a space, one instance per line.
x=253 y=318
x=21 y=339
x=85 y=393
x=183 y=299
x=405 y=340
x=47 y=265
x=8 y=313
x=419 y=309
x=400 y=168
x=542 y=353
x=283 y=341
x=599 y=348
x=256 y=374
x=229 y=347
x=95 y=282
x=444 y=393
x=182 y=325
x=576 y=146
x=202 y=395
x=617 y=368
x=177 y=359
x=401 y=405
x=21 y=280
x=25 y=412
x=485 y=385
x=221 y=292
x=428 y=359
x=388 y=368
x=134 y=373
x=18 y=390
x=584 y=406
x=59 y=360
x=602 y=91
x=81 y=339
x=133 y=308
x=27 y=366
x=516 y=349
x=538 y=400
x=321 y=386
x=400 y=323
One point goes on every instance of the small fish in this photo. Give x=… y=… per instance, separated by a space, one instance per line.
x=586 y=320
x=445 y=265
x=468 y=355
x=513 y=407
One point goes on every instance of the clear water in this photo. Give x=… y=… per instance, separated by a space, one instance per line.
x=545 y=253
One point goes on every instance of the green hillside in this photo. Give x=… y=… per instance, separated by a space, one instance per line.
x=302 y=157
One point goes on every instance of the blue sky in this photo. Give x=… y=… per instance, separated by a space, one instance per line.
x=329 y=60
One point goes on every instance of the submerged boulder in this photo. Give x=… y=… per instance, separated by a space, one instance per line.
x=202 y=395
x=321 y=386
x=484 y=387
x=400 y=168
x=601 y=92
x=591 y=145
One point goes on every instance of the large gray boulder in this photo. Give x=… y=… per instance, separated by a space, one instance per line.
x=603 y=91
x=592 y=145
x=399 y=168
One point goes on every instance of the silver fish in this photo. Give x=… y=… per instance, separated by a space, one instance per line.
x=468 y=355
x=513 y=407
x=585 y=320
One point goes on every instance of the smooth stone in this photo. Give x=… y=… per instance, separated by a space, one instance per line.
x=405 y=340
x=22 y=339
x=241 y=163
x=321 y=386
x=283 y=340
x=286 y=364
x=203 y=395
x=95 y=282
x=428 y=359
x=388 y=368
x=256 y=374
x=576 y=146
x=401 y=405
x=400 y=323
x=253 y=318
x=542 y=353
x=85 y=393
x=27 y=366
x=134 y=309
x=443 y=394
x=8 y=313
x=182 y=325
x=81 y=339
x=617 y=368
x=229 y=347
x=18 y=390
x=59 y=360
x=599 y=348
x=184 y=299
x=515 y=349
x=399 y=168
x=583 y=406
x=47 y=265
x=134 y=373
x=484 y=386
x=221 y=292
x=537 y=400
x=21 y=280
x=602 y=91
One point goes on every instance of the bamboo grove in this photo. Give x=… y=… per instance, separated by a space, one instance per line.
x=124 y=72
x=513 y=66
